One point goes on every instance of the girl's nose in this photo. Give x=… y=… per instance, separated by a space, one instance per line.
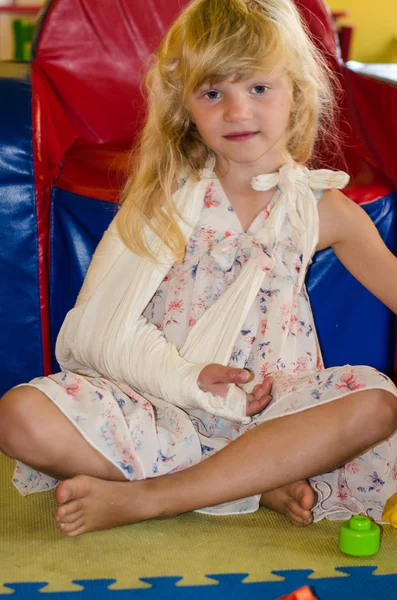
x=236 y=109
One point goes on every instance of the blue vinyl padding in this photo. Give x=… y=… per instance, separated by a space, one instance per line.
x=77 y=225
x=353 y=326
x=20 y=328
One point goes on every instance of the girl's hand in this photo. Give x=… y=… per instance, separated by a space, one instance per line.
x=216 y=378
x=260 y=397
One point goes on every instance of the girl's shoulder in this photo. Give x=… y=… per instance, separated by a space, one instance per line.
x=335 y=212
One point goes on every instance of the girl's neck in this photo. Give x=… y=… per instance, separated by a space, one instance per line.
x=238 y=176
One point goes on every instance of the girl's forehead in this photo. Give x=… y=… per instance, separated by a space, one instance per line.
x=230 y=59
x=265 y=75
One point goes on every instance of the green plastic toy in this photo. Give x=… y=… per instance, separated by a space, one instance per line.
x=23 y=35
x=359 y=537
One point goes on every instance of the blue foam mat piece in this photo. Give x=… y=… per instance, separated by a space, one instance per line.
x=361 y=584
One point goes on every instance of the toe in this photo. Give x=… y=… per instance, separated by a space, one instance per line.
x=63 y=492
x=297 y=514
x=298 y=521
x=71 y=489
x=78 y=531
x=295 y=520
x=72 y=518
x=295 y=509
x=71 y=528
x=67 y=510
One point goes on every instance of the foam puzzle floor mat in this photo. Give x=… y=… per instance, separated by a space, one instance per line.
x=256 y=556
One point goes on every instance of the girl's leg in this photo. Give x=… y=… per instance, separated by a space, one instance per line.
x=272 y=455
x=34 y=431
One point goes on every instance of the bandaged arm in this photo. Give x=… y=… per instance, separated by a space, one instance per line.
x=106 y=335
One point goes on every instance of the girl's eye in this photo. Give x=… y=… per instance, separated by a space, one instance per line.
x=259 y=89
x=212 y=95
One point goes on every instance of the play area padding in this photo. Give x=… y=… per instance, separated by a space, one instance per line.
x=258 y=556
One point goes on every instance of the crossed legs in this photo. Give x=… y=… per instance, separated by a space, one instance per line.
x=267 y=460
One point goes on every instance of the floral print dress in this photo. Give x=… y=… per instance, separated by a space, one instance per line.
x=145 y=440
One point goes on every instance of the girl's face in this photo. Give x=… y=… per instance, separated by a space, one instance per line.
x=245 y=122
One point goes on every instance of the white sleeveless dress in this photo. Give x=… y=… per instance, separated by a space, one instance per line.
x=277 y=337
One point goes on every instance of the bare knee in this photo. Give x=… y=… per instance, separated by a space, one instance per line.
x=380 y=411
x=16 y=422
x=389 y=408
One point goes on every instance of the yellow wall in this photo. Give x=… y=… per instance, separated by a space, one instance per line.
x=375 y=33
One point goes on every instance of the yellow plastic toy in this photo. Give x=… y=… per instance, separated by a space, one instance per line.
x=390 y=512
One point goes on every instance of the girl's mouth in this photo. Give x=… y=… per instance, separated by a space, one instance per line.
x=240 y=136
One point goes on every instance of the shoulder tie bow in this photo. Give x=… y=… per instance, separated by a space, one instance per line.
x=297 y=200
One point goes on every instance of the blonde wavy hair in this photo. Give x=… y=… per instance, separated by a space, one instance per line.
x=214 y=40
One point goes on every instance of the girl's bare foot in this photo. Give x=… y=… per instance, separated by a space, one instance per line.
x=91 y=504
x=295 y=501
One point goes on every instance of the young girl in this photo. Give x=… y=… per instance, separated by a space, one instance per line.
x=198 y=282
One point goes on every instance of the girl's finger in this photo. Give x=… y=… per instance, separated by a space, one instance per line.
x=256 y=406
x=234 y=375
x=268 y=382
x=265 y=388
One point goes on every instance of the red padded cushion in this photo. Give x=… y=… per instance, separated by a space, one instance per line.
x=321 y=26
x=94 y=57
x=97 y=171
